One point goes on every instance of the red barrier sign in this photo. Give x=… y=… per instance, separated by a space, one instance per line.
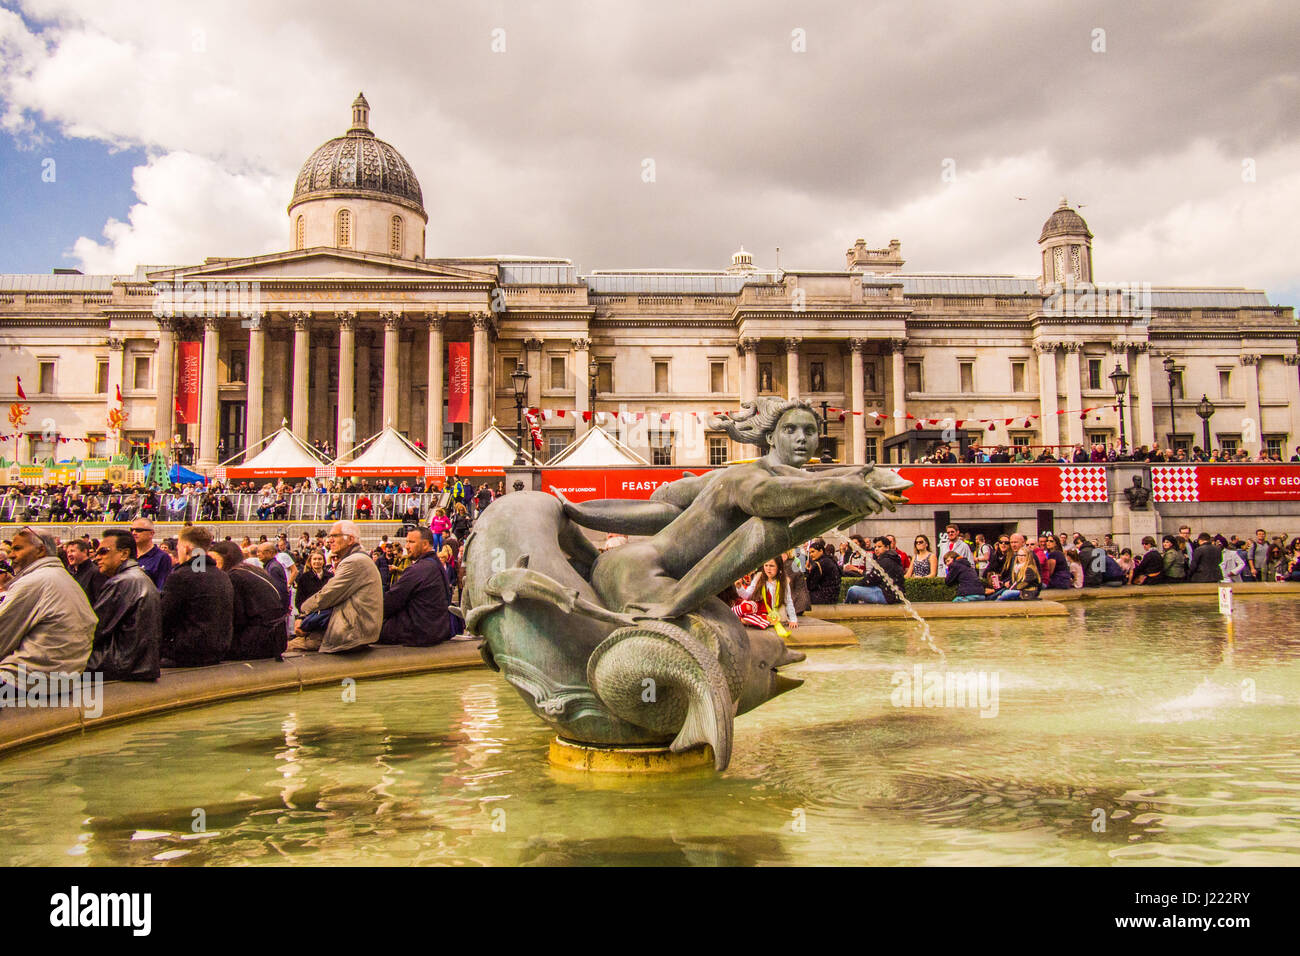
x=1225 y=482
x=584 y=484
x=979 y=484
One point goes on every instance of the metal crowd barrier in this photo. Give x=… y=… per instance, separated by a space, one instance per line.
x=307 y=507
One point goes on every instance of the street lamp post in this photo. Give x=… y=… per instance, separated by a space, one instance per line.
x=826 y=458
x=593 y=370
x=1204 y=409
x=1119 y=379
x=1173 y=425
x=519 y=377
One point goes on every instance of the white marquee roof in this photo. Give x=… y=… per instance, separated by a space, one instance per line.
x=596 y=449
x=388 y=449
x=492 y=448
x=284 y=449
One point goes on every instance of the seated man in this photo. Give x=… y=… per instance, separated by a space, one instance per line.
x=823 y=575
x=281 y=509
x=874 y=589
x=265 y=506
x=275 y=571
x=1150 y=568
x=129 y=612
x=257 y=619
x=46 y=623
x=354 y=595
x=364 y=507
x=81 y=566
x=415 y=607
x=961 y=575
x=196 y=605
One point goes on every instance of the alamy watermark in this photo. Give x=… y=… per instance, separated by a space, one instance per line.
x=945 y=688
x=39 y=689
x=194 y=300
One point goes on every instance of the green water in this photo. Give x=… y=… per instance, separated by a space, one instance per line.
x=1139 y=718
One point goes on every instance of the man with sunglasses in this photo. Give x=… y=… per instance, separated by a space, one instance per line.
x=153 y=561
x=45 y=620
x=129 y=612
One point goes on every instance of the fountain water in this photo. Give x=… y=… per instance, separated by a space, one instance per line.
x=907 y=605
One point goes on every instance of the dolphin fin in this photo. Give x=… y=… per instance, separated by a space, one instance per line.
x=705 y=724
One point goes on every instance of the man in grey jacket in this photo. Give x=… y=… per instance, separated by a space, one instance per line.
x=355 y=596
x=46 y=623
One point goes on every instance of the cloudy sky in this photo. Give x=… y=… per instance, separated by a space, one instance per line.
x=175 y=130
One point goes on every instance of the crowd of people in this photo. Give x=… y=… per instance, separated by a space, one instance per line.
x=1009 y=567
x=943 y=454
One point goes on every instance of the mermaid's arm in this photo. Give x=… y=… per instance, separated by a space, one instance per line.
x=620 y=516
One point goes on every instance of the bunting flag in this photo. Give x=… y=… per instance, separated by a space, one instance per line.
x=21 y=394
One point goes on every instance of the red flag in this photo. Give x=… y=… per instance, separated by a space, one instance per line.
x=992 y=427
x=586 y=416
x=665 y=417
x=21 y=393
x=559 y=412
x=118 y=389
x=918 y=426
x=960 y=422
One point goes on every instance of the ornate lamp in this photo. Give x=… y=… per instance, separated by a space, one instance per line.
x=1170 y=365
x=593 y=370
x=1204 y=409
x=1119 y=379
x=519 y=377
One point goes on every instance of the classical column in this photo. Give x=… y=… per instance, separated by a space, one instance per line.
x=748 y=349
x=256 y=379
x=362 y=402
x=209 y=408
x=481 y=399
x=1292 y=393
x=347 y=426
x=898 y=383
x=116 y=357
x=533 y=366
x=581 y=383
x=1140 y=383
x=792 y=367
x=392 y=323
x=436 y=322
x=856 y=406
x=1050 y=422
x=301 y=347
x=1251 y=424
x=1073 y=394
x=165 y=410
x=318 y=422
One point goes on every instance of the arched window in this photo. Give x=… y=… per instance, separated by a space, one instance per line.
x=343 y=229
x=395 y=236
x=299 y=233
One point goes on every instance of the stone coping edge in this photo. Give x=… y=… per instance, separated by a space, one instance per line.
x=184 y=687
x=939 y=610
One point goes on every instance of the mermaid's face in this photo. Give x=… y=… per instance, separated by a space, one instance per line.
x=795 y=437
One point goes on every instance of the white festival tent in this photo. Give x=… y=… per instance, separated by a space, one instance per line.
x=490 y=453
x=596 y=449
x=385 y=453
x=283 y=454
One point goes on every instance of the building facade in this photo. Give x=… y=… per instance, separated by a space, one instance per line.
x=348 y=331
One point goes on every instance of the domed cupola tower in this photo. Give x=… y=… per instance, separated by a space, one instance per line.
x=358 y=192
x=742 y=263
x=1066 y=247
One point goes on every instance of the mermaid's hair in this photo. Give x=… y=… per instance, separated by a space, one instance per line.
x=756 y=420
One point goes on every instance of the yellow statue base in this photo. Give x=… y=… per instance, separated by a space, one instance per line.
x=636 y=760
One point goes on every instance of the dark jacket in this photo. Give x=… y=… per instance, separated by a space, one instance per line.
x=893 y=568
x=1205 y=567
x=309 y=584
x=90 y=578
x=415 y=607
x=963 y=576
x=196 y=615
x=280 y=578
x=1152 y=565
x=129 y=629
x=823 y=579
x=157 y=564
x=257 y=618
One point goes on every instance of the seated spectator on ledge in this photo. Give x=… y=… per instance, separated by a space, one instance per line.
x=355 y=597
x=961 y=575
x=1204 y=567
x=364 y=508
x=129 y=612
x=874 y=589
x=257 y=626
x=415 y=607
x=1024 y=581
x=197 y=605
x=1150 y=567
x=153 y=561
x=312 y=577
x=82 y=568
x=1174 y=559
x=46 y=623
x=823 y=575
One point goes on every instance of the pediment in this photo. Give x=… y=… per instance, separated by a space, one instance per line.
x=322 y=264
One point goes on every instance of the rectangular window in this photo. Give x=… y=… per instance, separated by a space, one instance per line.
x=1178 y=383
x=1229 y=443
x=557 y=372
x=661 y=378
x=912 y=377
x=141 y=378
x=1183 y=442
x=605 y=377
x=717 y=377
x=967 y=373
x=555 y=444
x=1273 y=445
x=717 y=451
x=1020 y=441
x=816 y=376
x=45 y=378
x=661 y=448
x=1098 y=438
x=96 y=446
x=1094 y=374
x=508 y=363
x=1017 y=376
x=101 y=377
x=873 y=449
x=1225 y=383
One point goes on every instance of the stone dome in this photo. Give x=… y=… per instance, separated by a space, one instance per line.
x=1064 y=222
x=358 y=164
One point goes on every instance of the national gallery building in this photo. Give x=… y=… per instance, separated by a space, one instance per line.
x=350 y=329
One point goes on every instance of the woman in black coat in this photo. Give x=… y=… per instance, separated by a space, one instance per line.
x=312 y=578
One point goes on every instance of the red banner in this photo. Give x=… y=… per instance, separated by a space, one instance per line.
x=1225 y=482
x=979 y=484
x=189 y=362
x=584 y=484
x=458 y=381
